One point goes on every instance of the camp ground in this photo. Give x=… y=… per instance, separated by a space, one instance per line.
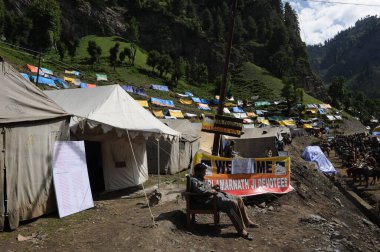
x=115 y=129
x=31 y=123
x=174 y=156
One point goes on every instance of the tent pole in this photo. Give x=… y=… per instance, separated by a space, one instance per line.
x=158 y=163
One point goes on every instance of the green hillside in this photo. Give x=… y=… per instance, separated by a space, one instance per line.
x=246 y=80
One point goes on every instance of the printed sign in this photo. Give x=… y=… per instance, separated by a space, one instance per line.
x=269 y=175
x=223 y=125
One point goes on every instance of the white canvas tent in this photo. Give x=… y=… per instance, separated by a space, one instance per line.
x=30 y=123
x=109 y=117
x=254 y=141
x=174 y=156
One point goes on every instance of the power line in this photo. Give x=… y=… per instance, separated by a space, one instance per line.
x=52 y=61
x=345 y=3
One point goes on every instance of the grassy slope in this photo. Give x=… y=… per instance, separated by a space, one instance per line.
x=248 y=79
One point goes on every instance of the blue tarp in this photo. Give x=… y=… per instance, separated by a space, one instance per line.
x=322 y=111
x=189 y=94
x=44 y=81
x=62 y=82
x=161 y=102
x=159 y=87
x=129 y=89
x=134 y=90
x=83 y=85
x=204 y=101
x=25 y=76
x=237 y=110
x=315 y=154
x=196 y=99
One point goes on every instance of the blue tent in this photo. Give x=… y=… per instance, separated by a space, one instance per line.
x=189 y=94
x=315 y=154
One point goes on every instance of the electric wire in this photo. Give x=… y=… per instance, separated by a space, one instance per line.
x=52 y=61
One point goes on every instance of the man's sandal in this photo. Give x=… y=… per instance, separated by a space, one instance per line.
x=247 y=236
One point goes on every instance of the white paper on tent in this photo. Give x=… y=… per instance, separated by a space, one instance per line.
x=242 y=165
x=70 y=176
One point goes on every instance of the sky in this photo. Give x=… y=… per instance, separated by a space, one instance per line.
x=323 y=19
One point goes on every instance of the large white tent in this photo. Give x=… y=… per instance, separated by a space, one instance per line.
x=120 y=127
x=31 y=123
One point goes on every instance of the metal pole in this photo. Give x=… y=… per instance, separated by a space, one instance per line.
x=38 y=68
x=223 y=87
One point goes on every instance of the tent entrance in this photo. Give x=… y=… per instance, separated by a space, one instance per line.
x=95 y=166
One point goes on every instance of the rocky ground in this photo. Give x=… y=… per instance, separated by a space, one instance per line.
x=313 y=217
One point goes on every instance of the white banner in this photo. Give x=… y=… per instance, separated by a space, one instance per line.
x=71 y=182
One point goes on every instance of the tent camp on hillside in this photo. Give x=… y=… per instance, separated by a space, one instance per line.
x=115 y=129
x=31 y=123
x=254 y=141
x=174 y=156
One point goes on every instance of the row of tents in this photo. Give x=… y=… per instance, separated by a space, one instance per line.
x=123 y=141
x=119 y=137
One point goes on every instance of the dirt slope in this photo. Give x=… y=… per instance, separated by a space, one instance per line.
x=314 y=217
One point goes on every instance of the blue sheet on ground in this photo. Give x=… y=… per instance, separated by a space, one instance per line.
x=159 y=87
x=196 y=99
x=315 y=154
x=161 y=102
x=44 y=81
x=237 y=110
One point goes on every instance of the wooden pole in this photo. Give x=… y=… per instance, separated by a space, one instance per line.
x=223 y=87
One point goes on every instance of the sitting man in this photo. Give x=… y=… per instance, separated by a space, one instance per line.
x=232 y=205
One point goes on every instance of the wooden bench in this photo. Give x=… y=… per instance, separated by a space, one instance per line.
x=193 y=208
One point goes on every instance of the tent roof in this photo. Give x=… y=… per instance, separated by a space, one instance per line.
x=188 y=131
x=21 y=100
x=112 y=106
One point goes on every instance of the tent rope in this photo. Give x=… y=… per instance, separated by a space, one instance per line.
x=146 y=197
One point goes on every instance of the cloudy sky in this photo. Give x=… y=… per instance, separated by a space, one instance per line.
x=322 y=19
